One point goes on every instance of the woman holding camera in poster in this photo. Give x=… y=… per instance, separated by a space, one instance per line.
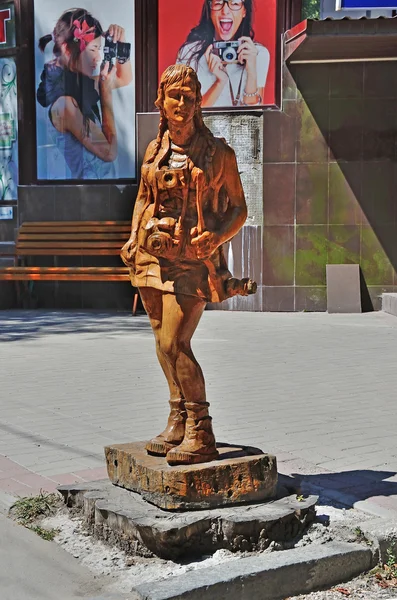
x=77 y=88
x=231 y=67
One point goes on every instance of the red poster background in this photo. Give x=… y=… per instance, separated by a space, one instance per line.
x=178 y=17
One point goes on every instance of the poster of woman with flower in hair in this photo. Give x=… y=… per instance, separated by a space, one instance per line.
x=85 y=90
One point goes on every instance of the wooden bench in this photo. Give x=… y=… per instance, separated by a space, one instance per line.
x=69 y=238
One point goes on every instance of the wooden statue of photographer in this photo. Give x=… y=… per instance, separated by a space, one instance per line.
x=189 y=203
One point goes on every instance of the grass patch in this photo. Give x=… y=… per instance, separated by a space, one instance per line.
x=386 y=574
x=46 y=534
x=30 y=508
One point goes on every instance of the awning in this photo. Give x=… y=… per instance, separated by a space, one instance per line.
x=341 y=40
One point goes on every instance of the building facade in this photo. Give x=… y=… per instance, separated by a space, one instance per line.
x=316 y=152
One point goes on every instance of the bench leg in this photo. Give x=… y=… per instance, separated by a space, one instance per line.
x=135 y=304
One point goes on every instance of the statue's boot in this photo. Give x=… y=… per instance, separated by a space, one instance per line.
x=198 y=445
x=173 y=434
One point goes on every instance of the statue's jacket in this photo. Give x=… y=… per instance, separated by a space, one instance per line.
x=201 y=197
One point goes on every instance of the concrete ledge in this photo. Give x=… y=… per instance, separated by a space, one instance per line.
x=382 y=533
x=389 y=304
x=269 y=577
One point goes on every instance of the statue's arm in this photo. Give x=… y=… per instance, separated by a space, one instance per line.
x=128 y=251
x=236 y=213
x=232 y=220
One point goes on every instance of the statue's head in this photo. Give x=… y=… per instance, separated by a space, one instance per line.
x=179 y=95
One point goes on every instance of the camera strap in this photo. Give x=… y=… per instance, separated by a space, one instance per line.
x=235 y=100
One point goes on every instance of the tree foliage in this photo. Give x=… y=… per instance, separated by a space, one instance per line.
x=311 y=9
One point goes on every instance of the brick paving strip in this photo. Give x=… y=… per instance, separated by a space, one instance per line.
x=317 y=390
x=18 y=481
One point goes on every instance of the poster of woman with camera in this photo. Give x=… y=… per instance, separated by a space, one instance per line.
x=234 y=68
x=85 y=96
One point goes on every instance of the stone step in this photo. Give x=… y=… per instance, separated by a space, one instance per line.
x=273 y=576
x=140 y=528
x=389 y=303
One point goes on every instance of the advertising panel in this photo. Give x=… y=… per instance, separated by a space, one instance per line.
x=85 y=95
x=7 y=26
x=230 y=43
x=8 y=130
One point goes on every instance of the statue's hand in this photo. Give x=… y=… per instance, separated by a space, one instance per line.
x=205 y=244
x=128 y=252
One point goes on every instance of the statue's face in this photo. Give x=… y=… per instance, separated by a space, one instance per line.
x=180 y=102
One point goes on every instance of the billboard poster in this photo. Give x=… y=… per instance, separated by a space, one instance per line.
x=85 y=94
x=231 y=44
x=8 y=130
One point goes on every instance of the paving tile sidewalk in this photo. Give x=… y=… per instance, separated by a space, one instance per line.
x=317 y=390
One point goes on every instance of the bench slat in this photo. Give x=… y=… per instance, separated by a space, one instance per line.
x=64 y=273
x=62 y=245
x=72 y=236
x=56 y=224
x=64 y=269
x=88 y=230
x=68 y=251
x=62 y=277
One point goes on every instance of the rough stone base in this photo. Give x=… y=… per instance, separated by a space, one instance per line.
x=241 y=474
x=124 y=518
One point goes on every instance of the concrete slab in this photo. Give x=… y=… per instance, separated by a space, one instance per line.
x=33 y=569
x=124 y=518
x=343 y=289
x=272 y=576
x=389 y=303
x=240 y=474
x=6 y=502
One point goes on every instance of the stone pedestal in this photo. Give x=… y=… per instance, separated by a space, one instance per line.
x=125 y=519
x=241 y=474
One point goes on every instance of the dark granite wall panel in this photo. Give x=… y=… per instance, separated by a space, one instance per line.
x=279 y=182
x=76 y=202
x=344 y=129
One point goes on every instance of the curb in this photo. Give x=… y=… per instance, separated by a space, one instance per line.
x=6 y=502
x=382 y=533
x=272 y=576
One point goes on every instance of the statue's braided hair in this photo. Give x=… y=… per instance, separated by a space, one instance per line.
x=178 y=74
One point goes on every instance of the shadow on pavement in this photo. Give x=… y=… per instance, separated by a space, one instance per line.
x=22 y=325
x=347 y=487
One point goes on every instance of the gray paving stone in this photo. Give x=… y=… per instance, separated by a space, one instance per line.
x=307 y=387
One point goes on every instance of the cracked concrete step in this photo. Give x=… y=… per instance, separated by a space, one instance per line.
x=137 y=526
x=272 y=576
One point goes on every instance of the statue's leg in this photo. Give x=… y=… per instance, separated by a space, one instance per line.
x=175 y=429
x=181 y=315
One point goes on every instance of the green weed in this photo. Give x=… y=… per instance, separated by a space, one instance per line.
x=46 y=534
x=30 y=508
